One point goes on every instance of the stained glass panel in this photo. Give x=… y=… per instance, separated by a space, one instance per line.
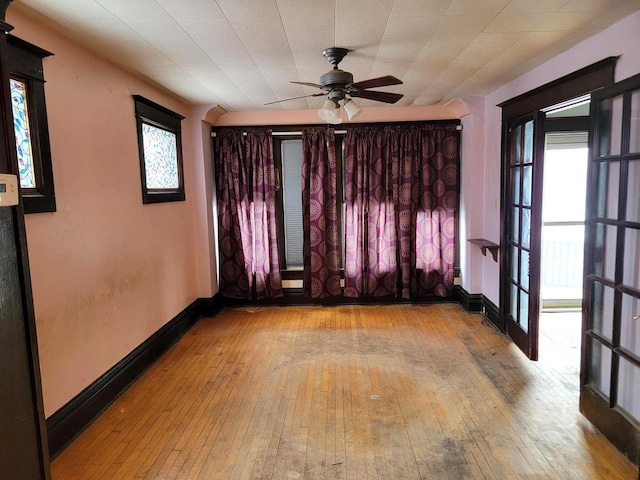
x=160 y=158
x=23 y=134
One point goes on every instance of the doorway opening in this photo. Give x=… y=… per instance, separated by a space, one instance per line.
x=562 y=238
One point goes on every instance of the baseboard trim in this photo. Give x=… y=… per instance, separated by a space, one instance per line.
x=492 y=313
x=71 y=419
x=294 y=297
x=471 y=302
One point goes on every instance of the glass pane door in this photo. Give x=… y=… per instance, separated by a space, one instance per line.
x=522 y=205
x=610 y=386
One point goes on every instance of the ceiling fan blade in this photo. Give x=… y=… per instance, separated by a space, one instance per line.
x=296 y=98
x=307 y=84
x=377 y=82
x=386 y=97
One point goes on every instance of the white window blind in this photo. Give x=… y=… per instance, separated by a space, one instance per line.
x=292 y=199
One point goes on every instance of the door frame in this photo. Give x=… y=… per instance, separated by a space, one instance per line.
x=22 y=315
x=573 y=85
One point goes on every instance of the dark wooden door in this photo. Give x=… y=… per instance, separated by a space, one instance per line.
x=23 y=451
x=610 y=370
x=522 y=194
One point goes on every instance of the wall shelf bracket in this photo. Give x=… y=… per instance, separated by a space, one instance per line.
x=485 y=245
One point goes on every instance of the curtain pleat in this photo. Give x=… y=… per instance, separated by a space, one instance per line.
x=401 y=200
x=321 y=248
x=249 y=262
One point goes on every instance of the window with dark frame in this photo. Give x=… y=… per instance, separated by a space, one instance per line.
x=160 y=150
x=288 y=160
x=31 y=128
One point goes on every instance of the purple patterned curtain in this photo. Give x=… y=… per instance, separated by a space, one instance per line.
x=401 y=202
x=249 y=263
x=438 y=157
x=321 y=249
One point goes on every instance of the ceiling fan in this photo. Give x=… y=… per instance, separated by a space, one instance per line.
x=338 y=85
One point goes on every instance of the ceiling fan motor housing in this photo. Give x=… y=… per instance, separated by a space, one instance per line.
x=336 y=82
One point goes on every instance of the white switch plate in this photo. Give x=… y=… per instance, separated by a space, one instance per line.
x=8 y=190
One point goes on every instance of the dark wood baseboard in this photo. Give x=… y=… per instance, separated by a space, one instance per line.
x=471 y=302
x=619 y=430
x=492 y=313
x=294 y=297
x=70 y=420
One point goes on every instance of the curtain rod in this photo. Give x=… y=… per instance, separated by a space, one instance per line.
x=299 y=132
x=286 y=134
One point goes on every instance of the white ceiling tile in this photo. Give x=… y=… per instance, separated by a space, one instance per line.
x=135 y=10
x=397 y=69
x=537 y=6
x=185 y=86
x=399 y=49
x=475 y=58
x=476 y=7
x=214 y=81
x=513 y=22
x=301 y=10
x=208 y=69
x=265 y=11
x=411 y=8
x=183 y=51
x=297 y=34
x=151 y=59
x=463 y=24
x=215 y=29
x=364 y=8
x=229 y=52
x=421 y=74
x=197 y=10
x=163 y=70
x=566 y=21
x=412 y=27
x=450 y=41
x=497 y=40
x=257 y=39
x=357 y=32
x=590 y=5
x=153 y=29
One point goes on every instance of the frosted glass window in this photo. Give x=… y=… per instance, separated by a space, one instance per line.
x=23 y=133
x=31 y=129
x=160 y=149
x=160 y=158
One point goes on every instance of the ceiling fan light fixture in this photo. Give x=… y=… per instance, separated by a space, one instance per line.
x=352 y=108
x=330 y=112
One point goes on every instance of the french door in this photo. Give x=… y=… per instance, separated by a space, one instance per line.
x=522 y=187
x=610 y=370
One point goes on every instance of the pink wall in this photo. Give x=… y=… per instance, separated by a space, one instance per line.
x=621 y=39
x=471 y=189
x=107 y=271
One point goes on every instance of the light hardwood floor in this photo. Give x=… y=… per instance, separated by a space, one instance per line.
x=348 y=392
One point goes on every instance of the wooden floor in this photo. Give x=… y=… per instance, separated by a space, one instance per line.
x=348 y=392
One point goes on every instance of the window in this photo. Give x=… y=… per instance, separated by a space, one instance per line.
x=288 y=159
x=30 y=125
x=160 y=148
